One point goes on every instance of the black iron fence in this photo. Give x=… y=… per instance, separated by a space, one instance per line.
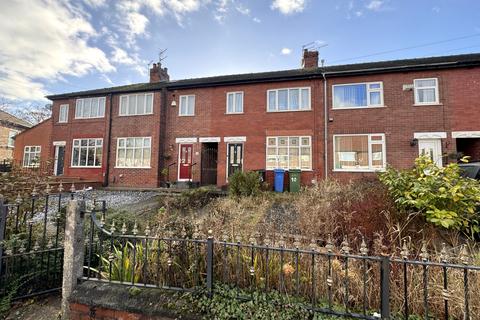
x=31 y=242
x=324 y=278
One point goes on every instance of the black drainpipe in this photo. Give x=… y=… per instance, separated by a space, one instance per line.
x=109 y=133
x=161 y=133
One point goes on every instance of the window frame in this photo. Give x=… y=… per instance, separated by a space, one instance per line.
x=309 y=108
x=415 y=92
x=125 y=148
x=128 y=96
x=370 y=153
x=234 y=93
x=36 y=165
x=288 y=152
x=367 y=84
x=11 y=138
x=104 y=99
x=187 y=96
x=63 y=107
x=94 y=155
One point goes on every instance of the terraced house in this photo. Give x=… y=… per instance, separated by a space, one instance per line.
x=342 y=122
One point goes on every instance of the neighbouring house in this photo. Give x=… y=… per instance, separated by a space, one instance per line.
x=342 y=122
x=10 y=126
x=33 y=146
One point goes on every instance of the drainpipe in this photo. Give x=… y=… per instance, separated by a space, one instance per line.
x=109 y=134
x=325 y=133
x=162 y=134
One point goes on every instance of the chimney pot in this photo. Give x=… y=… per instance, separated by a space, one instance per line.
x=310 y=59
x=158 y=74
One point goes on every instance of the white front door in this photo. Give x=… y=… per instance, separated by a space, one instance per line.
x=431 y=148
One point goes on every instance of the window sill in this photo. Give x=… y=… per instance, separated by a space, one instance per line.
x=354 y=108
x=283 y=111
x=132 y=167
x=85 y=167
x=286 y=170
x=427 y=104
x=186 y=115
x=92 y=118
x=233 y=113
x=359 y=171
x=136 y=115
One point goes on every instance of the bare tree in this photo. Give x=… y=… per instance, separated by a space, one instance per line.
x=34 y=114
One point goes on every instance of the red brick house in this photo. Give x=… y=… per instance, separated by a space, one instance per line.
x=340 y=122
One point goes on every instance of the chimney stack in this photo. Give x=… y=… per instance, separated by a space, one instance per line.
x=310 y=59
x=158 y=74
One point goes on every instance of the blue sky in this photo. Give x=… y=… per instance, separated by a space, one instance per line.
x=64 y=45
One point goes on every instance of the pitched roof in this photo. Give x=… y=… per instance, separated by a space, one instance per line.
x=442 y=62
x=11 y=119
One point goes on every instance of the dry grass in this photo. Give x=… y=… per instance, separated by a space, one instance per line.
x=356 y=210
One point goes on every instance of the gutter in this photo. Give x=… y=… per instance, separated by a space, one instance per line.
x=109 y=134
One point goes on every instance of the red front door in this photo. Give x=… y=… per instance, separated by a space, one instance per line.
x=185 y=162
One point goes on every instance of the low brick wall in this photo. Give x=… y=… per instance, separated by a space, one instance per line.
x=105 y=301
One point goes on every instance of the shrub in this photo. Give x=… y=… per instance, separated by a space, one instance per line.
x=244 y=184
x=442 y=195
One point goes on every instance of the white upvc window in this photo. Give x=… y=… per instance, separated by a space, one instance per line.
x=289 y=152
x=31 y=156
x=187 y=105
x=359 y=152
x=11 y=138
x=134 y=152
x=87 y=153
x=136 y=104
x=63 y=113
x=426 y=91
x=357 y=95
x=288 y=99
x=235 y=102
x=90 y=108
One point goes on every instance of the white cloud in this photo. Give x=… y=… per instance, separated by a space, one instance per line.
x=288 y=6
x=95 y=3
x=257 y=20
x=121 y=56
x=436 y=9
x=47 y=40
x=286 y=51
x=375 y=5
x=242 y=9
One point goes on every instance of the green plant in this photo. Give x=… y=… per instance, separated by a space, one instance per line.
x=445 y=197
x=244 y=184
x=224 y=304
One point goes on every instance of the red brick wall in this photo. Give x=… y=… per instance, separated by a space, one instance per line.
x=78 y=129
x=84 y=312
x=399 y=119
x=135 y=126
x=39 y=135
x=255 y=124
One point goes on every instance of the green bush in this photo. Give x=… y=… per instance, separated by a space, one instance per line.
x=445 y=197
x=244 y=184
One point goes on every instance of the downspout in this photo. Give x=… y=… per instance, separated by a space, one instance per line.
x=109 y=134
x=162 y=135
x=325 y=114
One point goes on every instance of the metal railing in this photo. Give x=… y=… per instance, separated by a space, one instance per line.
x=31 y=242
x=326 y=279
